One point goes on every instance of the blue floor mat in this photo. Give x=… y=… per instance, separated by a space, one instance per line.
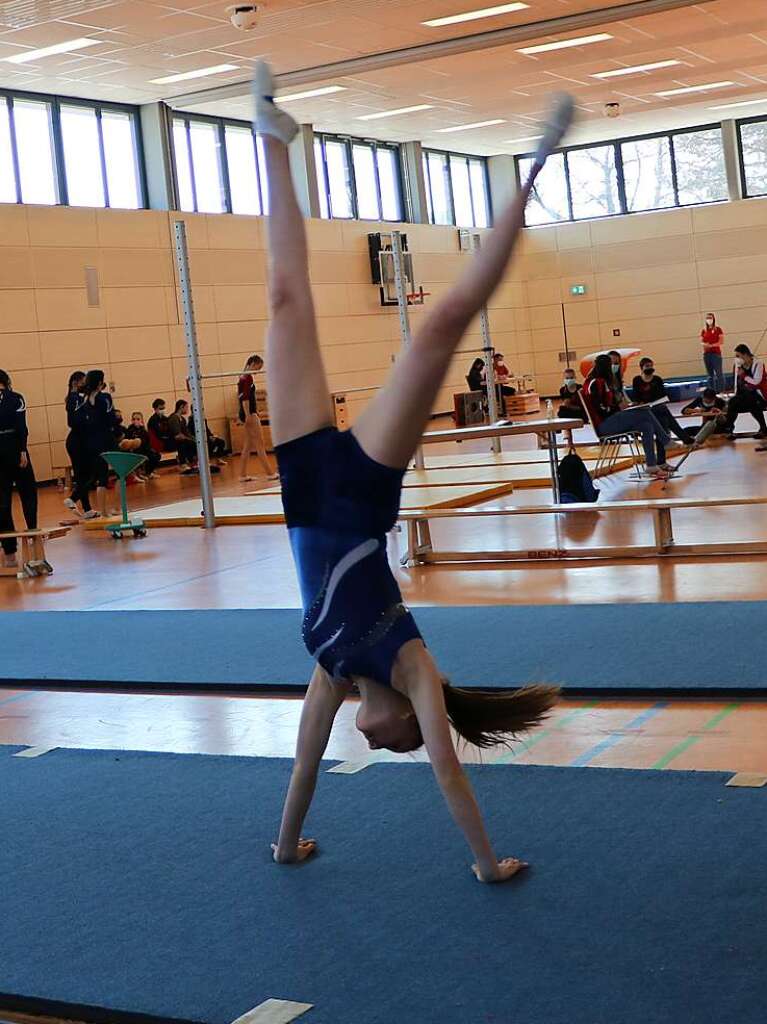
x=143 y=889
x=623 y=649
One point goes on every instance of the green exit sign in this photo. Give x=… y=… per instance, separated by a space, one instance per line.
x=577 y=289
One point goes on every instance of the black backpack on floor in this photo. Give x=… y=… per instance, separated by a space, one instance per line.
x=575 y=482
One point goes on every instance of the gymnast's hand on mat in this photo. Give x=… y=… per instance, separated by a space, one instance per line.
x=305 y=848
x=505 y=870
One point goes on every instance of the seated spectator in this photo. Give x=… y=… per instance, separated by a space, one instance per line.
x=750 y=391
x=475 y=378
x=616 y=368
x=182 y=437
x=158 y=428
x=571 y=406
x=138 y=432
x=649 y=387
x=502 y=375
x=710 y=406
x=610 y=419
x=216 y=445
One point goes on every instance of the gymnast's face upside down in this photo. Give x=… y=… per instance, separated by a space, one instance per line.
x=386 y=719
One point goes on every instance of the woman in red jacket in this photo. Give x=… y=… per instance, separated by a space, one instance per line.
x=711 y=338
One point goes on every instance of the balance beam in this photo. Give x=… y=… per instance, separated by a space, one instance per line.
x=421 y=551
x=34 y=561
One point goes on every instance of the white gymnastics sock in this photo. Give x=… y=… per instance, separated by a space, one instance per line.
x=269 y=119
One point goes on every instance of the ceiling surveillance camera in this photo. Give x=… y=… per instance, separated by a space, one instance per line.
x=245 y=16
x=612 y=110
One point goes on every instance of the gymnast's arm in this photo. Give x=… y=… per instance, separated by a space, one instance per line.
x=321 y=704
x=427 y=697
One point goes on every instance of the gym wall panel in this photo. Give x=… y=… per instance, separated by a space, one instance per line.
x=732 y=270
x=710 y=245
x=47 y=227
x=574 y=263
x=63 y=267
x=613 y=312
x=17 y=310
x=643 y=253
x=662 y=224
x=134 y=307
x=16 y=268
x=64 y=309
x=30 y=384
x=238 y=302
x=573 y=236
x=20 y=351
x=647 y=280
x=122 y=229
x=729 y=216
x=132 y=378
x=230 y=267
x=243 y=336
x=216 y=231
x=134 y=268
x=14 y=228
x=73 y=350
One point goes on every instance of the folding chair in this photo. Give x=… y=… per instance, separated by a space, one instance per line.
x=610 y=447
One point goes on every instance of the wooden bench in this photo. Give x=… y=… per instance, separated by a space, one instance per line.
x=421 y=549
x=33 y=560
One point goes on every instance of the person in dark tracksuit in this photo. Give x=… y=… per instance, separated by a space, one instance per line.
x=15 y=466
x=76 y=451
x=94 y=418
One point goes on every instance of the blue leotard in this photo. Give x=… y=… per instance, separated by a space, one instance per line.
x=339 y=504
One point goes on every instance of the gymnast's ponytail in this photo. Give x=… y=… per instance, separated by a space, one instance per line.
x=488 y=718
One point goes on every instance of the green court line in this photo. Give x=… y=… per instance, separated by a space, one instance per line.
x=692 y=740
x=543 y=733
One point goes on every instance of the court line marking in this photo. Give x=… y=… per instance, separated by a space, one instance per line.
x=274 y=1011
x=541 y=734
x=34 y=752
x=690 y=741
x=747 y=780
x=614 y=738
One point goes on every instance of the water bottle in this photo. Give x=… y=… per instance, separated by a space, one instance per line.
x=549 y=410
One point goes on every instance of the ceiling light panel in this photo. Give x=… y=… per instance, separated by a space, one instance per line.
x=485 y=12
x=184 y=76
x=468 y=127
x=326 y=90
x=395 y=113
x=49 y=51
x=695 y=88
x=564 y=44
x=637 y=68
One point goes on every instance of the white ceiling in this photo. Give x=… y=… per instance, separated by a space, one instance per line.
x=144 y=39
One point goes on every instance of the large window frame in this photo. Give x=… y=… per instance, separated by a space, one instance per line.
x=449 y=157
x=220 y=124
x=55 y=103
x=616 y=145
x=349 y=142
x=740 y=124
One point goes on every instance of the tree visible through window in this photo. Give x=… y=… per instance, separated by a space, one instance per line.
x=753 y=140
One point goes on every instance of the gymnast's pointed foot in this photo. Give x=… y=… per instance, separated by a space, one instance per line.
x=269 y=119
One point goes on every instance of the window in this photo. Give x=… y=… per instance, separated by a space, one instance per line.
x=753 y=148
x=244 y=179
x=548 y=201
x=700 y=170
x=218 y=165
x=7 y=174
x=647 y=174
x=55 y=150
x=121 y=157
x=456 y=189
x=593 y=182
x=82 y=156
x=358 y=178
x=34 y=147
x=651 y=172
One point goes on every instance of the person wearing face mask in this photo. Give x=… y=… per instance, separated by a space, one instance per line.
x=570 y=405
x=158 y=427
x=711 y=338
x=648 y=387
x=616 y=362
x=750 y=391
x=710 y=406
